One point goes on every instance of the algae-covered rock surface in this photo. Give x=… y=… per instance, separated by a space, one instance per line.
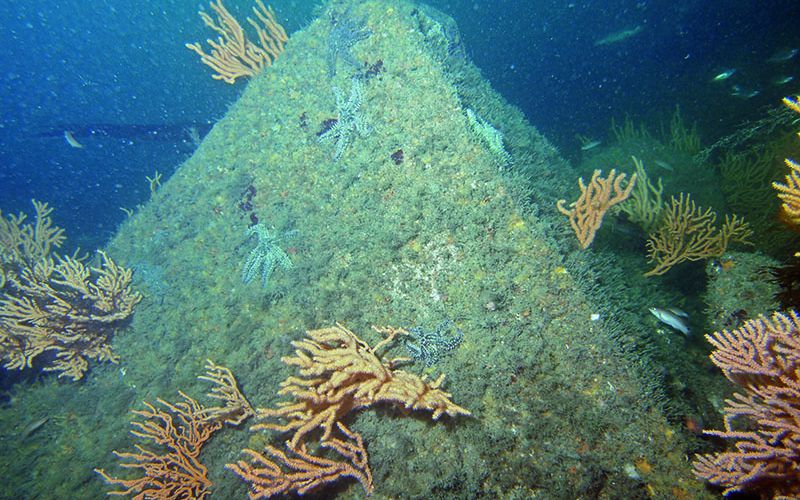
x=393 y=207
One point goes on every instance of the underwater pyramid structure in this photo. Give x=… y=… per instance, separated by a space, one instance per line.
x=371 y=176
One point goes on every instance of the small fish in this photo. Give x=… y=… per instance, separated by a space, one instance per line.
x=71 y=140
x=783 y=55
x=782 y=80
x=664 y=165
x=618 y=36
x=590 y=145
x=738 y=91
x=673 y=317
x=35 y=426
x=724 y=75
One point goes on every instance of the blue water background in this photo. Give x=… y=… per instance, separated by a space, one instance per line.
x=70 y=63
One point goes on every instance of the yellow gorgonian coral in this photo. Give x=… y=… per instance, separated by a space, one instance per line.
x=789 y=193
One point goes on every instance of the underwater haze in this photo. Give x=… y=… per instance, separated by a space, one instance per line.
x=347 y=248
x=68 y=65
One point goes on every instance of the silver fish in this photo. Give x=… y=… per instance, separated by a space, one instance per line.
x=71 y=140
x=743 y=93
x=35 y=426
x=618 y=36
x=724 y=75
x=590 y=145
x=783 y=55
x=673 y=317
x=664 y=165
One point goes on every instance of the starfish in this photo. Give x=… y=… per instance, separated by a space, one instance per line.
x=345 y=32
x=265 y=256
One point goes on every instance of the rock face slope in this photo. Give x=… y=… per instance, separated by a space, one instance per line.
x=390 y=186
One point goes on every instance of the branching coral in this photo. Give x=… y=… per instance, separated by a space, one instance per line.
x=763 y=358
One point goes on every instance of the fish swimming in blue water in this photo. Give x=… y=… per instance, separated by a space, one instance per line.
x=724 y=75
x=171 y=132
x=71 y=140
x=741 y=92
x=783 y=55
x=618 y=36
